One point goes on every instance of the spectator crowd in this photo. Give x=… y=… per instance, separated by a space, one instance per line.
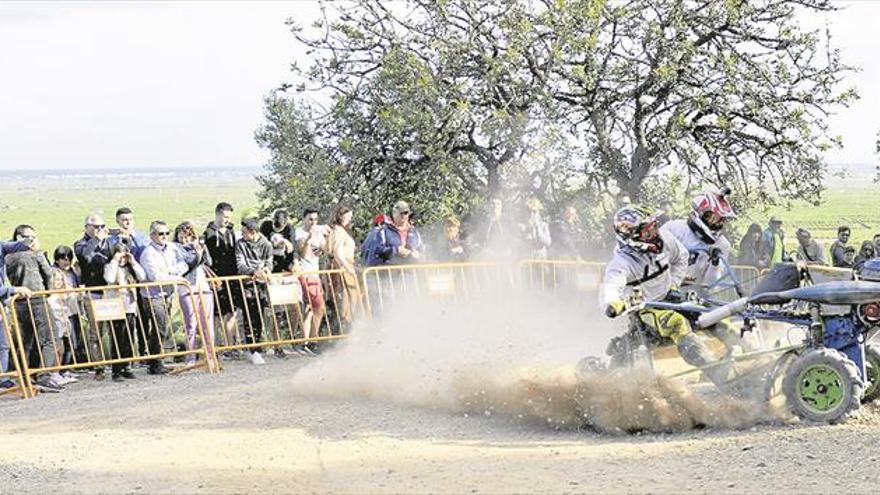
x=151 y=271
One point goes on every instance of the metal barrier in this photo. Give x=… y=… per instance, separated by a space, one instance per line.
x=93 y=327
x=286 y=309
x=555 y=275
x=14 y=370
x=438 y=280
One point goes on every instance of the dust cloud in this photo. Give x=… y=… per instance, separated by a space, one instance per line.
x=513 y=354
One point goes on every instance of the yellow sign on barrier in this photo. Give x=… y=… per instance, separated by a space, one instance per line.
x=109 y=309
x=441 y=285
x=285 y=293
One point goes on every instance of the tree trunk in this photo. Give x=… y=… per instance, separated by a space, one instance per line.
x=493 y=179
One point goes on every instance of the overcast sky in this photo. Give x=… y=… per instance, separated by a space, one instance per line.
x=163 y=84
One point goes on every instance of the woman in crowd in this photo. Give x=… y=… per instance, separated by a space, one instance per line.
x=123 y=269
x=342 y=248
x=750 y=246
x=865 y=253
x=66 y=276
x=197 y=299
x=454 y=249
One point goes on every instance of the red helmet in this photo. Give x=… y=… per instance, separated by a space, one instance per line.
x=637 y=229
x=710 y=211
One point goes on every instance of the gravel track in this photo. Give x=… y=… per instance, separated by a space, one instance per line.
x=244 y=431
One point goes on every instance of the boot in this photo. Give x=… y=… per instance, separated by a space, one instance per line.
x=730 y=337
x=695 y=353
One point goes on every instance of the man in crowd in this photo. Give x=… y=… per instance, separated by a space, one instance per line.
x=772 y=247
x=497 y=234
x=31 y=269
x=126 y=233
x=371 y=241
x=162 y=262
x=311 y=241
x=809 y=250
x=92 y=254
x=220 y=239
x=535 y=231
x=280 y=233
x=567 y=234
x=253 y=257
x=135 y=242
x=7 y=247
x=399 y=241
x=838 y=248
x=666 y=213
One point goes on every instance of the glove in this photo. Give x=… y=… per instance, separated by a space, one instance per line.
x=614 y=309
x=674 y=296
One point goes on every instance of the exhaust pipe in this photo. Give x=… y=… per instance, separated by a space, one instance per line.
x=712 y=317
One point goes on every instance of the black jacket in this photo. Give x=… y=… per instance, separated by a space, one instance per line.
x=92 y=255
x=29 y=269
x=222 y=250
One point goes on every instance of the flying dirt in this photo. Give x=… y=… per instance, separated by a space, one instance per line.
x=514 y=354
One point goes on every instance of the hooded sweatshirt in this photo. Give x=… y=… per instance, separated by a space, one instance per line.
x=222 y=250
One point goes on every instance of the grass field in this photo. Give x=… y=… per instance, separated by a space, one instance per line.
x=57 y=206
x=854 y=202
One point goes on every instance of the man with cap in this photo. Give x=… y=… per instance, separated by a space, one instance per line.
x=838 y=248
x=399 y=241
x=809 y=251
x=772 y=247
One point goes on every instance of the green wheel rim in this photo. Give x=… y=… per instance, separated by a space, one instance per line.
x=873 y=375
x=821 y=387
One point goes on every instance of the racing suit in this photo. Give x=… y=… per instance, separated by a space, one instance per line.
x=656 y=275
x=702 y=272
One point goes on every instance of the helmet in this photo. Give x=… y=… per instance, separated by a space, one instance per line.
x=870 y=271
x=709 y=213
x=637 y=229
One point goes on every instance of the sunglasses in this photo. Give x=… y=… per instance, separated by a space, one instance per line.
x=165 y=233
x=101 y=226
x=404 y=213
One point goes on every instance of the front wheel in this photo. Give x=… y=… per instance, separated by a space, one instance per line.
x=872 y=367
x=823 y=385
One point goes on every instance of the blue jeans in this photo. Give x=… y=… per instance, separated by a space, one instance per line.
x=4 y=348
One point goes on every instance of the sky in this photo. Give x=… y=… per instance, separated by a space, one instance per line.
x=168 y=84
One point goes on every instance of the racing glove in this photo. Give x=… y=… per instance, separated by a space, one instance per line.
x=675 y=296
x=614 y=309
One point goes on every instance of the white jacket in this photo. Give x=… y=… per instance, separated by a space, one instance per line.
x=629 y=266
x=700 y=270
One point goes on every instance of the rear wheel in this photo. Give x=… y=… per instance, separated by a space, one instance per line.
x=823 y=385
x=872 y=366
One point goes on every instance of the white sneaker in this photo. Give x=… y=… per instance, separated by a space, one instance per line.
x=60 y=379
x=256 y=358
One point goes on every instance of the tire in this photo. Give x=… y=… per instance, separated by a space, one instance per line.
x=872 y=367
x=823 y=386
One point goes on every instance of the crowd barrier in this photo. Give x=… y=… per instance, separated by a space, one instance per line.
x=95 y=327
x=287 y=309
x=61 y=330
x=556 y=275
x=14 y=369
x=403 y=283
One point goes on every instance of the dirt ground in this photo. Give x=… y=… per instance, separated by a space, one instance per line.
x=244 y=431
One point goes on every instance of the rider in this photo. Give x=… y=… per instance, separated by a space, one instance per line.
x=654 y=262
x=701 y=234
